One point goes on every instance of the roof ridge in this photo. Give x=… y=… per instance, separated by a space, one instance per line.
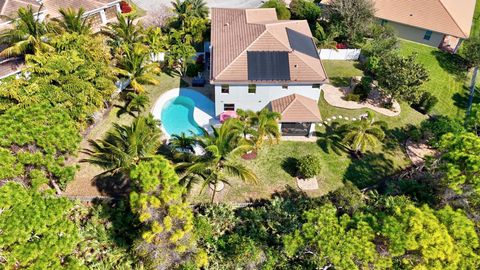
x=451 y=17
x=291 y=102
x=308 y=108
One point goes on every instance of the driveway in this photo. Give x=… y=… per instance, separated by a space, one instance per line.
x=150 y=5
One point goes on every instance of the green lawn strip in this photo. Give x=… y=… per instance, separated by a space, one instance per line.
x=448 y=81
x=340 y=72
x=476 y=21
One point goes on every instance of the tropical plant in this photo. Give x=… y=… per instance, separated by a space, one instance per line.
x=123 y=31
x=30 y=34
x=180 y=54
x=74 y=21
x=324 y=39
x=264 y=129
x=219 y=162
x=134 y=63
x=364 y=133
x=190 y=8
x=134 y=105
x=125 y=146
x=183 y=142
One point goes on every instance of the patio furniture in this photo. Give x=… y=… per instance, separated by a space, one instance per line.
x=227 y=115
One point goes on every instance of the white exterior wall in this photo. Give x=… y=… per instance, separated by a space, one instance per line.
x=264 y=95
x=340 y=54
x=416 y=34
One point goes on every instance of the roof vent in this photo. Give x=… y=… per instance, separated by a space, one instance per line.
x=411 y=15
x=226 y=24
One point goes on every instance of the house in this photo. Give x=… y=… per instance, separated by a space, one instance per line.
x=258 y=61
x=437 y=23
x=99 y=12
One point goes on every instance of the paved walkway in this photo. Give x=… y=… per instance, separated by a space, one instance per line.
x=334 y=96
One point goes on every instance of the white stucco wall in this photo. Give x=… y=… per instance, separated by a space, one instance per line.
x=264 y=95
x=416 y=34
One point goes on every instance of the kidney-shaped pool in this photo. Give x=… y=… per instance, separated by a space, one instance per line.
x=177 y=116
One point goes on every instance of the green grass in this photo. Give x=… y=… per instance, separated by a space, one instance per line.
x=275 y=168
x=476 y=21
x=340 y=72
x=448 y=79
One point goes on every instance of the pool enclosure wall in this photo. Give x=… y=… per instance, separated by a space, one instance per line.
x=243 y=97
x=297 y=129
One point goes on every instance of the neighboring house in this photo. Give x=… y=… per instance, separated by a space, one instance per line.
x=258 y=61
x=99 y=12
x=438 y=23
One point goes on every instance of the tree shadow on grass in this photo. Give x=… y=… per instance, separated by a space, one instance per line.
x=289 y=165
x=451 y=63
x=340 y=81
x=114 y=185
x=461 y=99
x=369 y=170
x=331 y=140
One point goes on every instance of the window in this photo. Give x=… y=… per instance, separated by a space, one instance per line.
x=428 y=35
x=252 y=88
x=225 y=89
x=383 y=22
x=229 y=107
x=285 y=86
x=316 y=86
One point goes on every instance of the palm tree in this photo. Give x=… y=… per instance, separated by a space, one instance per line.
x=364 y=133
x=264 y=128
x=323 y=39
x=135 y=65
x=134 y=105
x=190 y=8
x=125 y=146
x=124 y=31
x=183 y=142
x=246 y=119
x=219 y=162
x=74 y=21
x=29 y=35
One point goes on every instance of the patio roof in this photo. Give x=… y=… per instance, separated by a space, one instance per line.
x=297 y=108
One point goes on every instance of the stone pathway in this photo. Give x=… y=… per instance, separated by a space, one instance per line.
x=334 y=96
x=307 y=184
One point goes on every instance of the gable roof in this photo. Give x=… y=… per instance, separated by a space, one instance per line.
x=235 y=32
x=452 y=17
x=53 y=6
x=296 y=108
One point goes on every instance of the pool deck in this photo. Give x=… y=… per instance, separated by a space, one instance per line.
x=203 y=114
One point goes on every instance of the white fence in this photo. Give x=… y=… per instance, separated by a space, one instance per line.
x=340 y=54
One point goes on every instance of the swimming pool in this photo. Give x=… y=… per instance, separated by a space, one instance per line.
x=177 y=116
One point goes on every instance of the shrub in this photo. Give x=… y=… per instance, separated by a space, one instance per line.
x=352 y=97
x=425 y=103
x=193 y=69
x=433 y=129
x=309 y=166
x=363 y=88
x=305 y=10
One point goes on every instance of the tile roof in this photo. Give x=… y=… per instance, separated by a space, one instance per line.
x=53 y=6
x=296 y=108
x=11 y=66
x=452 y=17
x=9 y=8
x=237 y=31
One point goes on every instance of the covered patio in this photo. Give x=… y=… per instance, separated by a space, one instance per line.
x=299 y=115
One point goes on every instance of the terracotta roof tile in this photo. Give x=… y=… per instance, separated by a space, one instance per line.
x=236 y=31
x=296 y=108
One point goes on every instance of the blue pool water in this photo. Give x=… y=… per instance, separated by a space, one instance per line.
x=177 y=116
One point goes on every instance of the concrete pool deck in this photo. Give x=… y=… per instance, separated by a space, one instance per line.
x=203 y=113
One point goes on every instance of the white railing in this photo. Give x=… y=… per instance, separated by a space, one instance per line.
x=339 y=54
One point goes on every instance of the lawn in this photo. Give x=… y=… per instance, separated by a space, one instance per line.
x=82 y=184
x=275 y=165
x=448 y=80
x=476 y=21
x=340 y=72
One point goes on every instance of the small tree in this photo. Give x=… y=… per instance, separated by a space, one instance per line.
x=401 y=77
x=353 y=17
x=309 y=166
x=305 y=10
x=471 y=53
x=279 y=5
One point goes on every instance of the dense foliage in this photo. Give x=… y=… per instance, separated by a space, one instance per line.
x=279 y=5
x=35 y=143
x=309 y=166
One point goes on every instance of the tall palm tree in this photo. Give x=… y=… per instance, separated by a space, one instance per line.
x=74 y=21
x=264 y=128
x=135 y=65
x=246 y=119
x=190 y=8
x=219 y=162
x=124 y=31
x=366 y=132
x=125 y=146
x=29 y=35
